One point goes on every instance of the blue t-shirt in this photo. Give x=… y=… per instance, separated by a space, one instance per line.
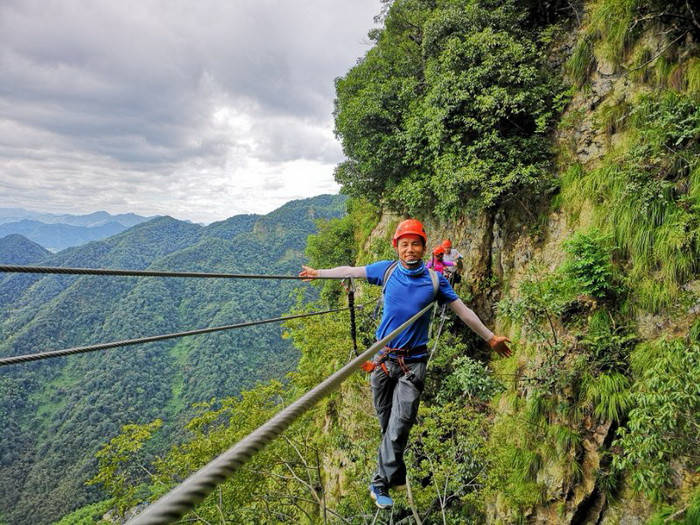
x=407 y=293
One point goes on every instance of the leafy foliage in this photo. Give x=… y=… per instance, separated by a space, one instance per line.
x=446 y=457
x=119 y=478
x=589 y=264
x=451 y=106
x=87 y=515
x=541 y=300
x=664 y=422
x=469 y=378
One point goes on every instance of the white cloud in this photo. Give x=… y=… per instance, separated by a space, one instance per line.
x=197 y=110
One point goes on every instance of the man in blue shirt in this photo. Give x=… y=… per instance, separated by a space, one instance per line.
x=398 y=378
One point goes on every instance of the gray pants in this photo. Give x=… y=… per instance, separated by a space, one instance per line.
x=396 y=399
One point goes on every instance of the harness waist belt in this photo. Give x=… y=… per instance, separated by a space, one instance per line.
x=417 y=352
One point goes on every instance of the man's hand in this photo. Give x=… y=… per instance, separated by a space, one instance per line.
x=498 y=345
x=308 y=272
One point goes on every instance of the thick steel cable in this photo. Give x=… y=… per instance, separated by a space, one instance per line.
x=437 y=337
x=104 y=346
x=353 y=324
x=142 y=273
x=194 y=489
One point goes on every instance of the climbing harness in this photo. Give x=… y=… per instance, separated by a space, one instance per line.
x=396 y=354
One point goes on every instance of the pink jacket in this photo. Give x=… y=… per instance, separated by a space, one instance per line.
x=439 y=265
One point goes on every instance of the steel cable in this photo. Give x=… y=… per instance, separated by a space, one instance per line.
x=104 y=346
x=353 y=324
x=437 y=337
x=195 y=488
x=143 y=273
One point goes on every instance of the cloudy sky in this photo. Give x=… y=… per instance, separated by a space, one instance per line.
x=196 y=109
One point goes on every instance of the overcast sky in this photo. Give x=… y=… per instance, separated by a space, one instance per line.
x=196 y=109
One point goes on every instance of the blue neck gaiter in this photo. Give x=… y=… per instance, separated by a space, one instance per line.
x=411 y=272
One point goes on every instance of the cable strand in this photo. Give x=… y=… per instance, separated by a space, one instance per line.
x=143 y=273
x=105 y=346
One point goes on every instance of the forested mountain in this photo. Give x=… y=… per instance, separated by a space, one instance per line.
x=56 y=413
x=558 y=145
x=15 y=249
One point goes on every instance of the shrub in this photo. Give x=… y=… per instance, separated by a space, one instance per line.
x=471 y=379
x=664 y=422
x=589 y=263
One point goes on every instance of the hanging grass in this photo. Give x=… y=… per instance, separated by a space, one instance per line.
x=610 y=117
x=582 y=62
x=613 y=21
x=612 y=32
x=608 y=394
x=646 y=194
x=693 y=77
x=609 y=32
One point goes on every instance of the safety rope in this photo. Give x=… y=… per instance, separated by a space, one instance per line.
x=104 y=346
x=351 y=305
x=142 y=273
x=194 y=489
x=437 y=337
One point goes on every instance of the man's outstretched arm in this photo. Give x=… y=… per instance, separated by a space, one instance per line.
x=496 y=342
x=344 y=272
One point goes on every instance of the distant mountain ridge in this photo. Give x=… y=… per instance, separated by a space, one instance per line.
x=57 y=232
x=57 y=237
x=56 y=413
x=98 y=218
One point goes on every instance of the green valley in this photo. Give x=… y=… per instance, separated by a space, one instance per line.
x=57 y=413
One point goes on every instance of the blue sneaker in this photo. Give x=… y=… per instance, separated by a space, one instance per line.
x=380 y=496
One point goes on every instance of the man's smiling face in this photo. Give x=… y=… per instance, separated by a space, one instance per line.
x=410 y=249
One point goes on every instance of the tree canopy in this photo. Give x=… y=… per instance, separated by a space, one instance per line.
x=451 y=107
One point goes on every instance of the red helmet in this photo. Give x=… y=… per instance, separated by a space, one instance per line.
x=409 y=227
x=439 y=250
x=447 y=244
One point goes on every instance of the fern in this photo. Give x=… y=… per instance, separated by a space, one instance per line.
x=609 y=395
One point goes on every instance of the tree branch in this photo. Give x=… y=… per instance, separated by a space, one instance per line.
x=692 y=14
x=658 y=54
x=411 y=503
